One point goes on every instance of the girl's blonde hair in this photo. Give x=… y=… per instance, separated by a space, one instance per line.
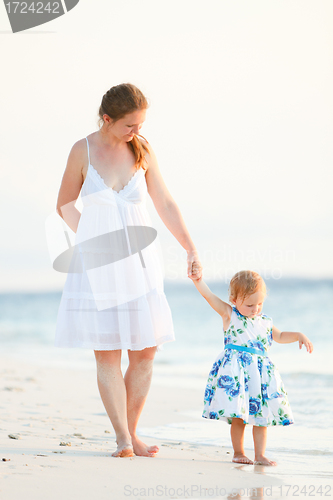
x=119 y=101
x=245 y=283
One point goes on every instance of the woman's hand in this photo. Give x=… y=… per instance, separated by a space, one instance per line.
x=194 y=267
x=303 y=339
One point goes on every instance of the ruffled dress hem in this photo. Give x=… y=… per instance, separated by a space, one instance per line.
x=251 y=421
x=114 y=347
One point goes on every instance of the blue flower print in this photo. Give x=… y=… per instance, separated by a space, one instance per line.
x=264 y=391
x=270 y=337
x=233 y=391
x=227 y=357
x=245 y=358
x=246 y=385
x=260 y=366
x=227 y=340
x=254 y=406
x=257 y=345
x=209 y=393
x=215 y=368
x=276 y=395
x=225 y=382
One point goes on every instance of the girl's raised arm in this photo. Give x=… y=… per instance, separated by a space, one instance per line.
x=289 y=337
x=222 y=308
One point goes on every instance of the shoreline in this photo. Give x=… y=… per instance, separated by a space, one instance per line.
x=45 y=406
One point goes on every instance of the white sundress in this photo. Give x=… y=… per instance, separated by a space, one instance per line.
x=119 y=305
x=244 y=384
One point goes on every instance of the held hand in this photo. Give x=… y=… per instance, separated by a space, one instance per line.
x=193 y=278
x=194 y=267
x=303 y=339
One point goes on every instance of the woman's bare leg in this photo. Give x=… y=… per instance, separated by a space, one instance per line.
x=113 y=393
x=237 y=437
x=137 y=379
x=260 y=438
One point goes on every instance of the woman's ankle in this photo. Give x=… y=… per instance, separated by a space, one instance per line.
x=239 y=453
x=123 y=438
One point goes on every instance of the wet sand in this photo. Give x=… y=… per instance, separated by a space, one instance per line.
x=64 y=442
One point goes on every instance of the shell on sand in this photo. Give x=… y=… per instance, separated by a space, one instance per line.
x=14 y=436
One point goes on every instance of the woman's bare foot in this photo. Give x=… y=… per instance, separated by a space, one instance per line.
x=240 y=458
x=263 y=461
x=143 y=450
x=123 y=450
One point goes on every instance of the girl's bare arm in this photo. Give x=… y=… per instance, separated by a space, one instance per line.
x=222 y=308
x=289 y=337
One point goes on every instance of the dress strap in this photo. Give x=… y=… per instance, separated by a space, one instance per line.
x=88 y=149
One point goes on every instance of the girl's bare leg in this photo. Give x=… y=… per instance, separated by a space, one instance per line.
x=113 y=393
x=137 y=379
x=260 y=439
x=237 y=439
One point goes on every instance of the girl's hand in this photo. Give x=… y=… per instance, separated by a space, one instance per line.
x=302 y=339
x=194 y=267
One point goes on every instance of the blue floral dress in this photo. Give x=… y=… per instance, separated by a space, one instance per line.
x=246 y=385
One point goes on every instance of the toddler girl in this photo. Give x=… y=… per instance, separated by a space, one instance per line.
x=243 y=386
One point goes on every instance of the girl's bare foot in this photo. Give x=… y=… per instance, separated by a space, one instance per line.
x=240 y=458
x=263 y=461
x=143 y=450
x=123 y=450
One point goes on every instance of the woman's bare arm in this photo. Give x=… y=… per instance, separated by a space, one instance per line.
x=71 y=184
x=170 y=214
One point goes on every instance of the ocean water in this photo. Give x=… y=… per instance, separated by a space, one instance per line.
x=27 y=326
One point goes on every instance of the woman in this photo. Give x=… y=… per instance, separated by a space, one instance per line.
x=115 y=304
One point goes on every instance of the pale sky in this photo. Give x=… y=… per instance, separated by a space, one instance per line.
x=240 y=120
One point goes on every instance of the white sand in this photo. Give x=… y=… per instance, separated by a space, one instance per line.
x=46 y=406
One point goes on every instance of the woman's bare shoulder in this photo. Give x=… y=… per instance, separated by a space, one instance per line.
x=78 y=154
x=77 y=160
x=79 y=147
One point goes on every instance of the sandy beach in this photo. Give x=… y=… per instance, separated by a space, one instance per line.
x=64 y=442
